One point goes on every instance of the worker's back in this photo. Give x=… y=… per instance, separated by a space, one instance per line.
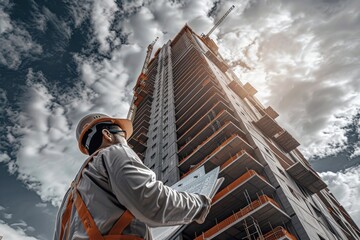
x=97 y=193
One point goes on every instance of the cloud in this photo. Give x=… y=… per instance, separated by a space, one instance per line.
x=345 y=187
x=299 y=66
x=15 y=42
x=10 y=233
x=102 y=16
x=356 y=152
x=47 y=164
x=41 y=205
x=7 y=215
x=4 y=158
x=291 y=49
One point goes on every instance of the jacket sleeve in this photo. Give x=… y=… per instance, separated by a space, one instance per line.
x=150 y=201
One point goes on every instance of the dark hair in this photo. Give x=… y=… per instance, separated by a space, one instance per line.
x=96 y=139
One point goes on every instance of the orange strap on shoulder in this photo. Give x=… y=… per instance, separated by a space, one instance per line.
x=89 y=224
x=86 y=218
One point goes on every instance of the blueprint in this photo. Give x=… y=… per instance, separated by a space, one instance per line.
x=196 y=182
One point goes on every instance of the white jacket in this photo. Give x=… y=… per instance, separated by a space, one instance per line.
x=115 y=180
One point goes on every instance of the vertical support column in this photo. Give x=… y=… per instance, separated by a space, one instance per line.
x=161 y=154
x=169 y=170
x=153 y=151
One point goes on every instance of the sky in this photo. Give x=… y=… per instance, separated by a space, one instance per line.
x=60 y=60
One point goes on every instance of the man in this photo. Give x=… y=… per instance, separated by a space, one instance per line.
x=115 y=196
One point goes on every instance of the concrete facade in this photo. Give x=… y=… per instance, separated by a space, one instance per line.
x=193 y=111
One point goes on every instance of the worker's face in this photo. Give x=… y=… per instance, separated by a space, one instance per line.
x=114 y=135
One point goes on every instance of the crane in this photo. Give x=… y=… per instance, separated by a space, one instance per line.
x=207 y=40
x=139 y=89
x=219 y=22
x=148 y=55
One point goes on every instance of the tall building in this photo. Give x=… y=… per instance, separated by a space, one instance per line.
x=191 y=110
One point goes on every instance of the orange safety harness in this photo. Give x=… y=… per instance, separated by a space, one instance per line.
x=88 y=222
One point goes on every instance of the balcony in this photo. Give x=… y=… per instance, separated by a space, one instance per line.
x=271 y=112
x=198 y=87
x=199 y=132
x=142 y=122
x=139 y=131
x=239 y=90
x=202 y=121
x=210 y=144
x=183 y=56
x=192 y=64
x=215 y=102
x=238 y=165
x=265 y=210
x=204 y=93
x=306 y=177
x=192 y=76
x=219 y=63
x=137 y=145
x=210 y=44
x=286 y=141
x=233 y=194
x=250 y=89
x=187 y=112
x=142 y=100
x=268 y=126
x=227 y=151
x=278 y=233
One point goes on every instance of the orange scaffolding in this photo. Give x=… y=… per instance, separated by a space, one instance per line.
x=278 y=233
x=228 y=222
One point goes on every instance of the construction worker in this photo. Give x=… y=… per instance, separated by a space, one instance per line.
x=115 y=196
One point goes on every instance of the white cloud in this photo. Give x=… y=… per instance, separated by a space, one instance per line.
x=10 y=233
x=345 y=186
x=299 y=66
x=102 y=16
x=4 y=158
x=7 y=215
x=2 y=208
x=41 y=205
x=15 y=42
x=291 y=49
x=356 y=152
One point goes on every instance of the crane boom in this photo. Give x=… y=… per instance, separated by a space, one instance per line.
x=148 y=55
x=140 y=84
x=220 y=21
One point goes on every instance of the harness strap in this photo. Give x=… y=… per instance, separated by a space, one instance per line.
x=86 y=218
x=66 y=216
x=122 y=223
x=122 y=237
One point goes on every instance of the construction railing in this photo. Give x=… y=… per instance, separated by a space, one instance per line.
x=226 y=223
x=278 y=233
x=243 y=178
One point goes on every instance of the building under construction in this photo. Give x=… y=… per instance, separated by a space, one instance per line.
x=191 y=110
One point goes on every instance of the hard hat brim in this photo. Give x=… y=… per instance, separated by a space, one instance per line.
x=124 y=124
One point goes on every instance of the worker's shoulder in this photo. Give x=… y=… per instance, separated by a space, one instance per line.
x=119 y=151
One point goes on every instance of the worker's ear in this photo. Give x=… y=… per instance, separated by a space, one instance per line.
x=107 y=135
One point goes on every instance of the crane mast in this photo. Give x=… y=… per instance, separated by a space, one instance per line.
x=139 y=89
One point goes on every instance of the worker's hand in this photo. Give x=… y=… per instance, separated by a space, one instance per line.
x=205 y=210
